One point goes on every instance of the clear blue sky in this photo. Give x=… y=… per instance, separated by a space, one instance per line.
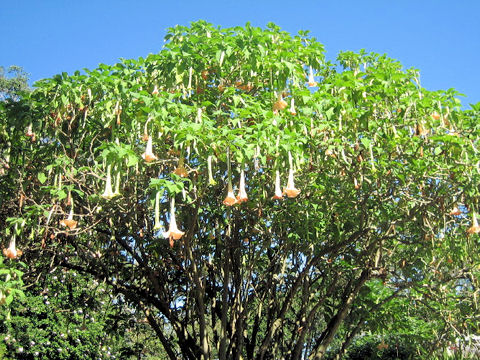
x=441 y=38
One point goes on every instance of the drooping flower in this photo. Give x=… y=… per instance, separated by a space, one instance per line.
x=242 y=193
x=12 y=252
x=278 y=190
x=211 y=181
x=69 y=222
x=230 y=199
x=311 y=78
x=474 y=229
x=158 y=226
x=292 y=107
x=155 y=90
x=117 y=185
x=29 y=131
x=280 y=104
x=455 y=211
x=108 y=193
x=180 y=170
x=173 y=232
x=290 y=190
x=148 y=155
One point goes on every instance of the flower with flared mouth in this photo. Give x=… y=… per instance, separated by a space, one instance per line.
x=311 y=78
x=278 y=190
x=180 y=170
x=155 y=90
x=173 y=232
x=148 y=155
x=455 y=211
x=69 y=222
x=242 y=193
x=290 y=190
x=12 y=252
x=474 y=229
x=230 y=199
x=108 y=193
x=280 y=104
x=292 y=107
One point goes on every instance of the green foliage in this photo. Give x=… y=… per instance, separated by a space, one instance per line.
x=369 y=242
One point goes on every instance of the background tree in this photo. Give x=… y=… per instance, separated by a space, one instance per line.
x=382 y=187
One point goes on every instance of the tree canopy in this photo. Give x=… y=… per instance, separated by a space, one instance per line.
x=356 y=199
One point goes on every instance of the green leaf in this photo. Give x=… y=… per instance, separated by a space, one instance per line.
x=42 y=178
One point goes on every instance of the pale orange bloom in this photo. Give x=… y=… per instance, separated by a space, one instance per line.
x=311 y=78
x=242 y=193
x=155 y=90
x=278 y=191
x=69 y=222
x=148 y=155
x=173 y=232
x=290 y=190
x=180 y=170
x=474 y=229
x=230 y=199
x=280 y=104
x=12 y=252
x=455 y=211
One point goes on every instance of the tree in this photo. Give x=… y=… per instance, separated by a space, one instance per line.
x=382 y=187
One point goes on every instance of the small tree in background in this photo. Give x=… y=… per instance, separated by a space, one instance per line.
x=250 y=198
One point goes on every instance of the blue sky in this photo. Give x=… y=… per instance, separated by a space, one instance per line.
x=441 y=38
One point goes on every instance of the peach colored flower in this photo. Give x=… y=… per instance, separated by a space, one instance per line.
x=148 y=155
x=242 y=193
x=180 y=170
x=278 y=191
x=474 y=229
x=311 y=78
x=155 y=90
x=280 y=104
x=455 y=211
x=12 y=252
x=290 y=190
x=69 y=222
x=173 y=232
x=230 y=199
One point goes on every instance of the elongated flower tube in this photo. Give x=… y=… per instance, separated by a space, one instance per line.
x=12 y=252
x=108 y=193
x=242 y=193
x=211 y=181
x=311 y=78
x=69 y=222
x=278 y=190
x=158 y=226
x=173 y=232
x=292 y=107
x=474 y=229
x=117 y=185
x=290 y=190
x=148 y=155
x=230 y=199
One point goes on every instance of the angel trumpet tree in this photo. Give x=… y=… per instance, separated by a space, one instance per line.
x=267 y=279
